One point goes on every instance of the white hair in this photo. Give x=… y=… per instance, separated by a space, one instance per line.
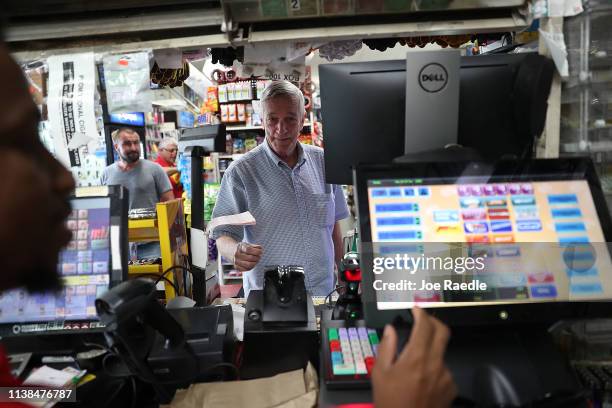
x=283 y=88
x=167 y=141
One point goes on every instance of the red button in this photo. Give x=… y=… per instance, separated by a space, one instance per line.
x=334 y=345
x=369 y=362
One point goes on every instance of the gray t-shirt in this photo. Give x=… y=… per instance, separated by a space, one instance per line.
x=146 y=182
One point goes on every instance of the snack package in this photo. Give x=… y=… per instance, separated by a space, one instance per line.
x=250 y=143
x=231 y=91
x=232 y=112
x=127 y=78
x=238 y=146
x=241 y=112
x=222 y=93
x=224 y=113
x=211 y=99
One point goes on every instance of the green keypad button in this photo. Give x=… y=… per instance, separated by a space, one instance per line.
x=333 y=334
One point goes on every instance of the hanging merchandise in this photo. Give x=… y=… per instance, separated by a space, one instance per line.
x=337 y=50
x=198 y=81
x=381 y=44
x=226 y=56
x=168 y=58
x=70 y=104
x=300 y=49
x=169 y=77
x=555 y=42
x=35 y=73
x=454 y=41
x=556 y=8
x=127 y=82
x=269 y=61
x=275 y=70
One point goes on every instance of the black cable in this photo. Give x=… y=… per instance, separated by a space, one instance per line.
x=329 y=296
x=143 y=371
x=171 y=269
x=109 y=372
x=134 y=393
x=100 y=346
x=159 y=279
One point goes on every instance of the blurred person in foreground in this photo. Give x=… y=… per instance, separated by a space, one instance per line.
x=34 y=202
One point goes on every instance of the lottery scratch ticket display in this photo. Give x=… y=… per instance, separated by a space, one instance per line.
x=84 y=266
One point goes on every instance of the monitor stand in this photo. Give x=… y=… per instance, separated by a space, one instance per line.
x=510 y=366
x=451 y=153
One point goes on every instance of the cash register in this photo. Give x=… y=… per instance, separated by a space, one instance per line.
x=280 y=329
x=539 y=228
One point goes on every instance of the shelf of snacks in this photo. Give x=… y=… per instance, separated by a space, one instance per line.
x=145 y=269
x=168 y=228
x=228 y=271
x=230 y=128
x=237 y=128
x=142 y=230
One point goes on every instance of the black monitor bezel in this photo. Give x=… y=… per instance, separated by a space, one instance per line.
x=119 y=218
x=118 y=208
x=507 y=171
x=382 y=113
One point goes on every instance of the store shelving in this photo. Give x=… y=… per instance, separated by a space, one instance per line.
x=168 y=228
x=586 y=97
x=240 y=127
x=228 y=274
x=234 y=156
x=586 y=116
x=231 y=128
x=146 y=269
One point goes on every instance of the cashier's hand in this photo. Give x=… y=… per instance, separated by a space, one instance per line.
x=418 y=378
x=247 y=256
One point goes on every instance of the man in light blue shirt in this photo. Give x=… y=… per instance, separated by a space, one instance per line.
x=282 y=183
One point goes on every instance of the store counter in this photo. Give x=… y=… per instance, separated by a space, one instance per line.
x=121 y=389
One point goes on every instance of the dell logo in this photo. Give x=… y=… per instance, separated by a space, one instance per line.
x=433 y=77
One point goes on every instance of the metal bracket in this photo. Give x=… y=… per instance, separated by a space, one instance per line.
x=228 y=26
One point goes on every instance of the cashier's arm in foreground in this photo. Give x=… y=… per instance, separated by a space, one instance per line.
x=417 y=377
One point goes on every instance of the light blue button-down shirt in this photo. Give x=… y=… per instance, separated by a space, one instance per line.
x=295 y=211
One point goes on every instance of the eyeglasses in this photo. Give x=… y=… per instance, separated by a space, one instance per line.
x=171 y=150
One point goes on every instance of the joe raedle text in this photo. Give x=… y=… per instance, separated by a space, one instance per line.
x=447 y=284
x=422 y=268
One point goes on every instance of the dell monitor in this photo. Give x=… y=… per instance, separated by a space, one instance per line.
x=93 y=261
x=502 y=107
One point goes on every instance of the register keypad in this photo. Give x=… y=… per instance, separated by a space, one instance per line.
x=352 y=349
